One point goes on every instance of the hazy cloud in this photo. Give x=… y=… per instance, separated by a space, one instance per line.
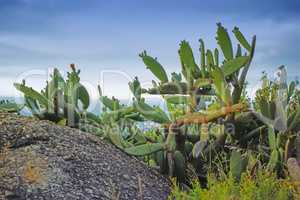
x=109 y=34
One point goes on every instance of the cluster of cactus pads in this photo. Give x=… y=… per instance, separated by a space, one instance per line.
x=63 y=101
x=187 y=145
x=208 y=114
x=8 y=106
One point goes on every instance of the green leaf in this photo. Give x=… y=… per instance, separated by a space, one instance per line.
x=119 y=113
x=155 y=67
x=238 y=51
x=234 y=65
x=187 y=59
x=62 y=122
x=179 y=166
x=294 y=119
x=112 y=104
x=237 y=164
x=264 y=108
x=274 y=158
x=135 y=117
x=170 y=88
x=176 y=99
x=32 y=105
x=188 y=148
x=135 y=88
x=150 y=113
x=209 y=58
x=116 y=139
x=28 y=91
x=202 y=51
x=139 y=137
x=6 y=106
x=145 y=149
x=71 y=87
x=56 y=83
x=224 y=42
x=176 y=77
x=216 y=56
x=272 y=138
x=161 y=160
x=199 y=147
x=221 y=86
x=93 y=117
x=202 y=82
x=291 y=89
x=83 y=96
x=240 y=37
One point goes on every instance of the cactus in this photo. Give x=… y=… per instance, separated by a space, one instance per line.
x=179 y=166
x=278 y=106
x=224 y=42
x=202 y=51
x=182 y=136
x=162 y=162
x=210 y=59
x=234 y=65
x=59 y=100
x=33 y=95
x=186 y=98
x=155 y=67
x=145 y=149
x=155 y=114
x=221 y=86
x=241 y=38
x=188 y=148
x=189 y=65
x=275 y=156
x=11 y=107
x=135 y=88
x=238 y=164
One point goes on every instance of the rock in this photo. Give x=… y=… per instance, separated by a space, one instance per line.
x=294 y=172
x=40 y=160
x=293 y=169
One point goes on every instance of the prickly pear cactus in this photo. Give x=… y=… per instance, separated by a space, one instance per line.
x=60 y=100
x=7 y=106
x=238 y=164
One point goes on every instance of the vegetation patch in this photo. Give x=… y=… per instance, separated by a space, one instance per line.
x=210 y=124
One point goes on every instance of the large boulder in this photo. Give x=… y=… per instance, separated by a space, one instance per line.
x=41 y=160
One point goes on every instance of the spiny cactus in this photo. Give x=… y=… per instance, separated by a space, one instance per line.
x=8 y=106
x=278 y=105
x=186 y=99
x=238 y=164
x=155 y=67
x=60 y=98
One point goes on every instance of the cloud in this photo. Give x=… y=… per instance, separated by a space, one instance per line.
x=109 y=34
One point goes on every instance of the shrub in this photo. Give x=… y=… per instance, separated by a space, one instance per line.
x=263 y=186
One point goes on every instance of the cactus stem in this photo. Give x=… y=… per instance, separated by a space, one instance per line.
x=199 y=118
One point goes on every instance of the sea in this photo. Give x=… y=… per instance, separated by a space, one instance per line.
x=95 y=105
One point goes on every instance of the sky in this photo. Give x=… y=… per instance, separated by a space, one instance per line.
x=104 y=38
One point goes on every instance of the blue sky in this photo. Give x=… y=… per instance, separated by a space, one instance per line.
x=108 y=35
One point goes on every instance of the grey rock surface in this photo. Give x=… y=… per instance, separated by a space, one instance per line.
x=41 y=160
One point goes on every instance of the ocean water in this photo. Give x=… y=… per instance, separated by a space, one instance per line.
x=95 y=105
